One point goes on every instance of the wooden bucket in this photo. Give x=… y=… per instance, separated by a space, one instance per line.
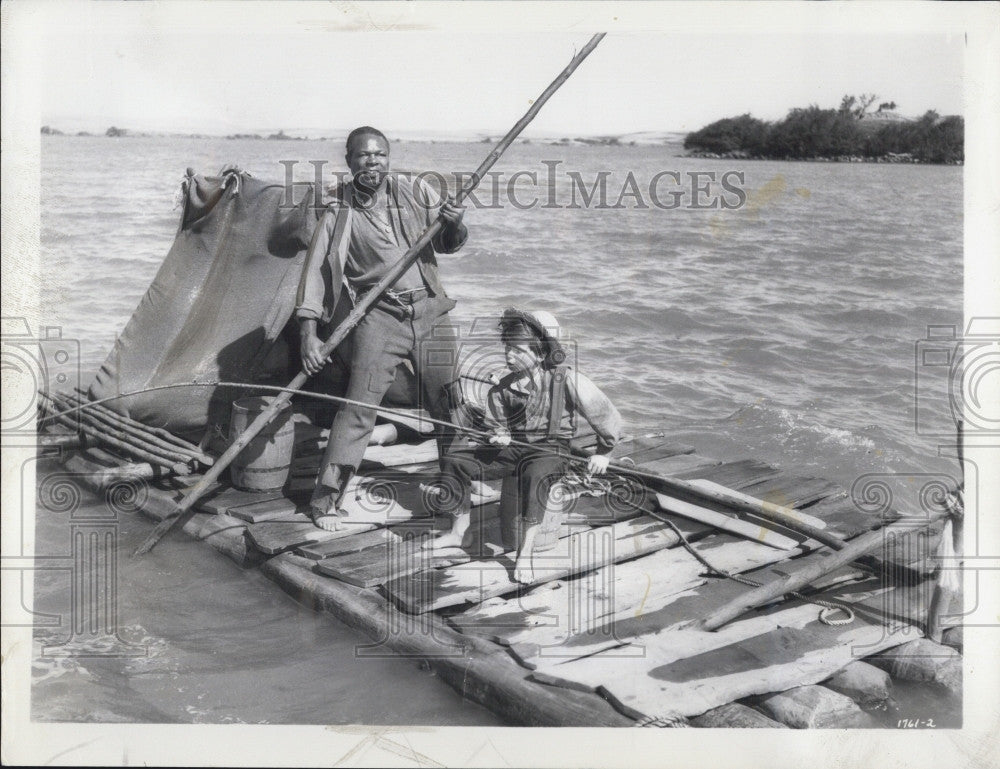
x=264 y=463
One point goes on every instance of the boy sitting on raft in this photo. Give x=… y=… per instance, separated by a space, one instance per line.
x=533 y=411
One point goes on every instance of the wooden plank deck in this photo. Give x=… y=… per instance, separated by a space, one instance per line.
x=475 y=582
x=691 y=672
x=605 y=617
x=624 y=600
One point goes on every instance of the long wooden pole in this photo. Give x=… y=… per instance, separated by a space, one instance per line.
x=341 y=332
x=774 y=590
x=769 y=511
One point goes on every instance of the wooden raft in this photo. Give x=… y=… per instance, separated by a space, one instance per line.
x=604 y=620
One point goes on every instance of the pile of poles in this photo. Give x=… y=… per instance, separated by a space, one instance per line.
x=97 y=425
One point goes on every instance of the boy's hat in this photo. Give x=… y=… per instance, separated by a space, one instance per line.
x=544 y=325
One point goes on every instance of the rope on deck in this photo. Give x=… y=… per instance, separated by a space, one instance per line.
x=672 y=721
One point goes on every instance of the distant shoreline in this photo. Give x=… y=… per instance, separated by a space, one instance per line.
x=640 y=138
x=890 y=158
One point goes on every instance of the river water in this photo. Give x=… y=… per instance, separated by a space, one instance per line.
x=785 y=329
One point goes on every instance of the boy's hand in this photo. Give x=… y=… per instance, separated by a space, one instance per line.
x=598 y=464
x=500 y=439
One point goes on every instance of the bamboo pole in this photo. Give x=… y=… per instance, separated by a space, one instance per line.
x=104 y=427
x=155 y=459
x=774 y=590
x=374 y=295
x=160 y=432
x=137 y=430
x=59 y=441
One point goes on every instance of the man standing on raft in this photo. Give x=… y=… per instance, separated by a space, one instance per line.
x=537 y=405
x=377 y=217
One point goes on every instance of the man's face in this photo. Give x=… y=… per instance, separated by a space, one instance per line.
x=368 y=159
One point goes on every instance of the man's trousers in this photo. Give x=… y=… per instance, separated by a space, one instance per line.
x=388 y=335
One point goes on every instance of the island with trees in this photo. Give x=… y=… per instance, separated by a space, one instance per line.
x=850 y=133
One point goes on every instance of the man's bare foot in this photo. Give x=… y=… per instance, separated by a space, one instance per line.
x=332 y=521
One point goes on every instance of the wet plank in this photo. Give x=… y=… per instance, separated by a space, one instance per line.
x=734 y=475
x=794 y=490
x=395 y=560
x=226 y=497
x=400 y=455
x=646 y=448
x=842 y=516
x=669 y=610
x=691 y=672
x=266 y=510
x=578 y=553
x=371 y=502
x=404 y=553
x=352 y=544
x=682 y=463
x=551 y=616
x=274 y=537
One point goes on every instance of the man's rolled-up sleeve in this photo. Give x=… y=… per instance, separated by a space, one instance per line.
x=448 y=240
x=312 y=287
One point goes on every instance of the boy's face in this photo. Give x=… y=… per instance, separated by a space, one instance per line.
x=520 y=356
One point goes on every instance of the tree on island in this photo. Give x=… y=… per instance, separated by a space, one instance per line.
x=115 y=132
x=857 y=106
x=845 y=132
x=732 y=134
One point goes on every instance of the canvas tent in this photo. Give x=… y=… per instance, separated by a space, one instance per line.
x=220 y=307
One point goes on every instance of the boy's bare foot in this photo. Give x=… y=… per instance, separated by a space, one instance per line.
x=524 y=572
x=446 y=541
x=461 y=535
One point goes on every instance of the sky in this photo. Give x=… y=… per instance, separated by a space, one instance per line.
x=310 y=72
